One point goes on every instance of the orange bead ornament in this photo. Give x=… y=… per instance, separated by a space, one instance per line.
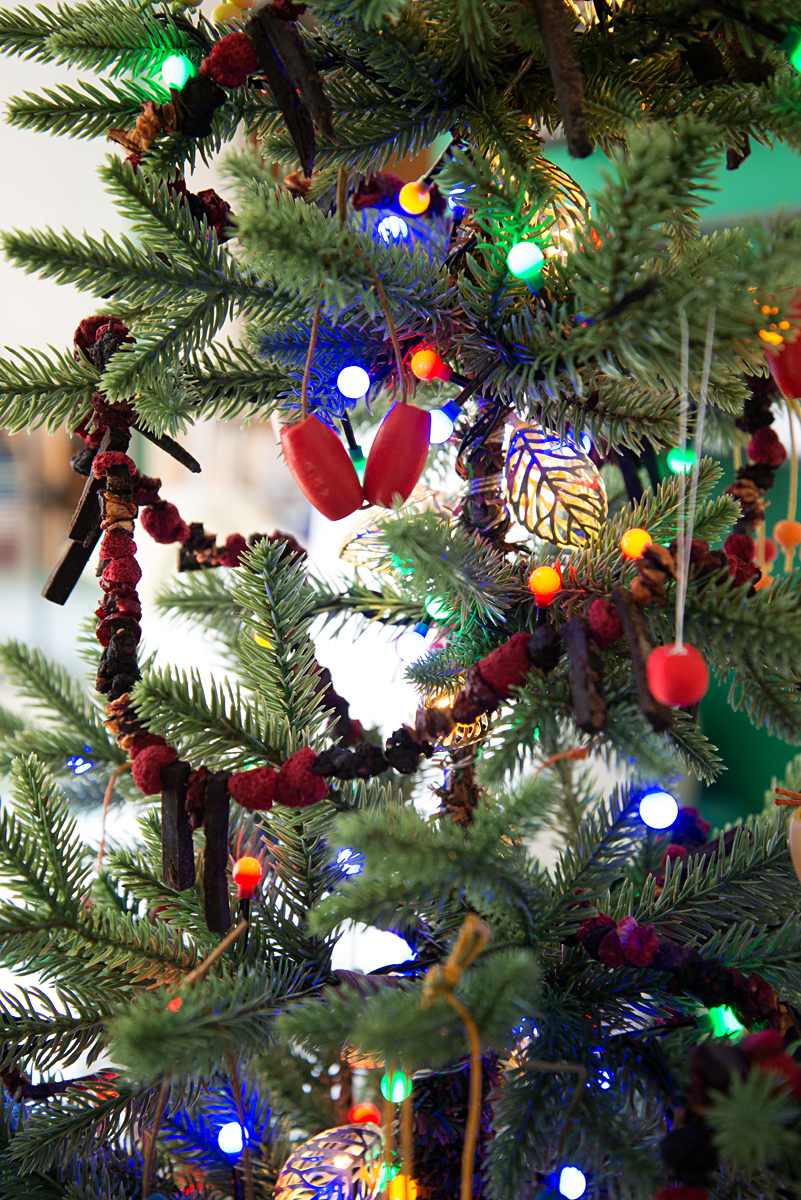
x=634 y=541
x=247 y=875
x=544 y=583
x=427 y=365
x=414 y=198
x=364 y=1113
x=787 y=533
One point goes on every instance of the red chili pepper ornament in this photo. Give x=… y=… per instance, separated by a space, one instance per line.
x=398 y=455
x=322 y=468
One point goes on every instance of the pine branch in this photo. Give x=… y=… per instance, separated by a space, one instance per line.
x=40 y=390
x=221 y=729
x=85 y=112
x=280 y=667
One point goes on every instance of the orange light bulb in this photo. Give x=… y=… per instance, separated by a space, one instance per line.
x=427 y=365
x=414 y=198
x=247 y=875
x=634 y=542
x=787 y=533
x=544 y=583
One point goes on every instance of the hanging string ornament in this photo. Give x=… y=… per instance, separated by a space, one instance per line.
x=343 y=1163
x=555 y=490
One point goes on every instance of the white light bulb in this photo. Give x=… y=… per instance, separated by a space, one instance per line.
x=353 y=382
x=411 y=646
x=392 y=229
x=572 y=1183
x=658 y=810
x=230 y=1139
x=441 y=427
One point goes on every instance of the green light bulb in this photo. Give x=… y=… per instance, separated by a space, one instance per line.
x=724 y=1022
x=176 y=70
x=396 y=1087
x=681 y=460
x=525 y=261
x=792 y=48
x=438 y=608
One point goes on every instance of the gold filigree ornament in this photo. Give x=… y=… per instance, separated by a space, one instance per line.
x=555 y=490
x=343 y=1163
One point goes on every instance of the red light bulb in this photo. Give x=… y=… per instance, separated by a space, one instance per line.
x=363 y=1113
x=247 y=874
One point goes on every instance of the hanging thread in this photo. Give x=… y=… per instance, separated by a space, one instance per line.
x=685 y=528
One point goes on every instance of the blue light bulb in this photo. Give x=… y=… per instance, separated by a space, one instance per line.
x=350 y=862
x=454 y=203
x=525 y=261
x=572 y=1183
x=392 y=228
x=442 y=422
x=411 y=645
x=231 y=1138
x=658 y=810
x=353 y=382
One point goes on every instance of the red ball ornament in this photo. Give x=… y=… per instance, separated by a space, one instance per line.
x=364 y=1113
x=677 y=677
x=247 y=875
x=785 y=360
x=322 y=468
x=427 y=365
x=398 y=455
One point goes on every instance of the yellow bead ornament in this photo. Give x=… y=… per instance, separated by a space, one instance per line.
x=225 y=13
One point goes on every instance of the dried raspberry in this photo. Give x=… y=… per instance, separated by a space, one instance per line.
x=508 y=666
x=164 y=524
x=147 y=765
x=296 y=786
x=254 y=789
x=117 y=545
x=112 y=458
x=235 y=547
x=231 y=60
x=605 y=623
x=740 y=545
x=122 y=570
x=766 y=449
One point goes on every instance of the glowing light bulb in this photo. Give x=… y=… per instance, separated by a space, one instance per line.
x=231 y=1138
x=525 y=261
x=438 y=608
x=724 y=1022
x=427 y=365
x=396 y=1087
x=392 y=228
x=247 y=875
x=414 y=198
x=360 y=1114
x=544 y=583
x=411 y=645
x=176 y=70
x=351 y=863
x=353 y=382
x=442 y=423
x=792 y=48
x=658 y=810
x=572 y=1183
x=454 y=203
x=634 y=542
x=680 y=460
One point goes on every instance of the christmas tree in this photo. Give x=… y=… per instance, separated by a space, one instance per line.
x=622 y=1023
